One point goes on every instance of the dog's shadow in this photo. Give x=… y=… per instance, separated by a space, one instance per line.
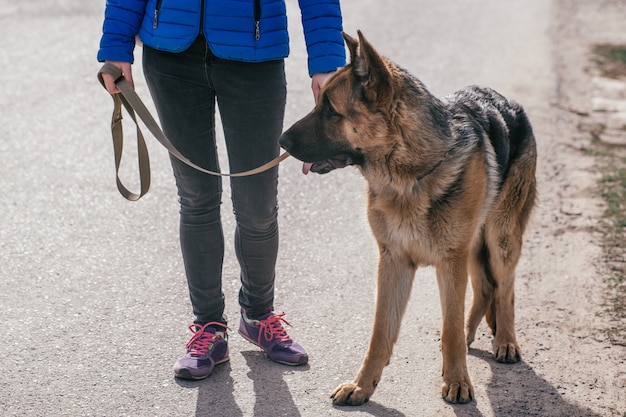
x=516 y=390
x=372 y=408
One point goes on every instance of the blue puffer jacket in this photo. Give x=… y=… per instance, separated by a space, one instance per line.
x=241 y=30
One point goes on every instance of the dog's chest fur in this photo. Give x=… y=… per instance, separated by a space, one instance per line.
x=412 y=223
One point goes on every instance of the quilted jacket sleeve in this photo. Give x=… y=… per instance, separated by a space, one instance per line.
x=122 y=19
x=322 y=24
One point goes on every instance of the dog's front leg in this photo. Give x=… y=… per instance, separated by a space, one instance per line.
x=395 y=277
x=452 y=280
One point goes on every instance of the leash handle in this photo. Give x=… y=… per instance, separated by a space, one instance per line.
x=133 y=105
x=117 y=134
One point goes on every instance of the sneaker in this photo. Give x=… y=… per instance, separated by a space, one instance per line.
x=268 y=333
x=206 y=348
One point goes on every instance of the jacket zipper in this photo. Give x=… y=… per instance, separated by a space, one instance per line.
x=201 y=17
x=257 y=20
x=155 y=24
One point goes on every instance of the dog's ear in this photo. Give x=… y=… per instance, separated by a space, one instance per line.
x=352 y=44
x=369 y=67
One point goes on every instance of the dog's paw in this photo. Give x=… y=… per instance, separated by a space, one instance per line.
x=458 y=392
x=350 y=394
x=507 y=352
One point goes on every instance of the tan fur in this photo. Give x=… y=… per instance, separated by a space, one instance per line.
x=434 y=198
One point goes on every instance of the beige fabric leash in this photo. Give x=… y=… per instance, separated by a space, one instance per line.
x=133 y=104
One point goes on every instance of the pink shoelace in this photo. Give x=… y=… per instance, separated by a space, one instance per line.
x=201 y=341
x=272 y=328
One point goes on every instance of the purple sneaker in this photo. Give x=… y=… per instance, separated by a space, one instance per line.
x=268 y=333
x=206 y=348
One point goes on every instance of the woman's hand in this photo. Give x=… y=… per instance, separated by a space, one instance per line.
x=318 y=80
x=127 y=73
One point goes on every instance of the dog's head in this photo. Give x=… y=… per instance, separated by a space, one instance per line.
x=348 y=125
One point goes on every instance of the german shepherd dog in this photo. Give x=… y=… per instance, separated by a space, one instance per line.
x=451 y=183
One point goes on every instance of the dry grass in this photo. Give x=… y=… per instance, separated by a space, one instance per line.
x=611 y=62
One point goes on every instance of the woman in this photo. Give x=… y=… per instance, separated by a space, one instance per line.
x=197 y=53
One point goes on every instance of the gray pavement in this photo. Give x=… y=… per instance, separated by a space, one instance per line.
x=93 y=301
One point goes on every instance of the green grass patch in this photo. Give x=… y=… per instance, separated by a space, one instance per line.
x=611 y=60
x=613 y=185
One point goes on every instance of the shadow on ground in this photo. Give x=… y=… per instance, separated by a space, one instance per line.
x=272 y=397
x=516 y=390
x=215 y=394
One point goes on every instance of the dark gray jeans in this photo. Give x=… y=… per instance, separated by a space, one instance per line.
x=251 y=99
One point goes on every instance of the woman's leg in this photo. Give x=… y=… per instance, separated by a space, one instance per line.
x=251 y=99
x=185 y=100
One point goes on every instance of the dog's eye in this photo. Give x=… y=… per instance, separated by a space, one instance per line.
x=328 y=109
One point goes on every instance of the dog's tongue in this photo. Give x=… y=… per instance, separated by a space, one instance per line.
x=306 y=167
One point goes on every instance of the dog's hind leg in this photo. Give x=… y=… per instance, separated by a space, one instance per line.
x=504 y=242
x=501 y=310
x=504 y=235
x=395 y=278
x=482 y=290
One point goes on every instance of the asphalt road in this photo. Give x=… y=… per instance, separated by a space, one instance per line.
x=93 y=301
